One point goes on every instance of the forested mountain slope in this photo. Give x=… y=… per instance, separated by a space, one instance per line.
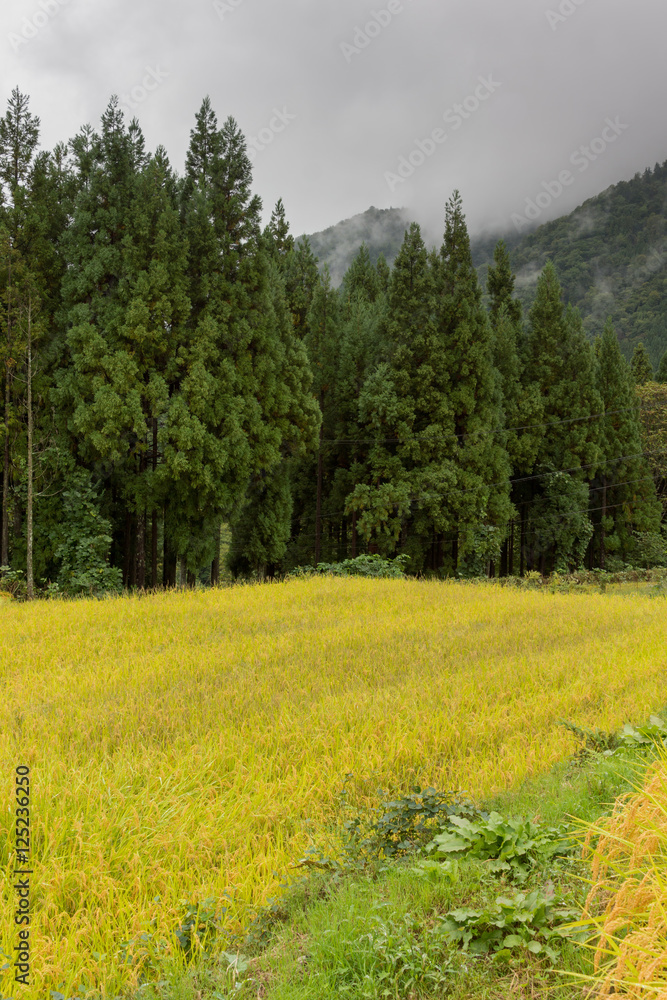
x=610 y=254
x=381 y=229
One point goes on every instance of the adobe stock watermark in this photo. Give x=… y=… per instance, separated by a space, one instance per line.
x=224 y=7
x=278 y=123
x=454 y=117
x=364 y=34
x=151 y=80
x=565 y=10
x=31 y=26
x=580 y=158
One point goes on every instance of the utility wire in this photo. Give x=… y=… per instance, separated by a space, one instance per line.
x=491 y=433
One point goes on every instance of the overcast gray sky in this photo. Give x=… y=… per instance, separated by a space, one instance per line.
x=354 y=103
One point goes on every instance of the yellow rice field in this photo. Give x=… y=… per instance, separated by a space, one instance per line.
x=628 y=867
x=187 y=745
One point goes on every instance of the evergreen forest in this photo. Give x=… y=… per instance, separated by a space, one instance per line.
x=174 y=375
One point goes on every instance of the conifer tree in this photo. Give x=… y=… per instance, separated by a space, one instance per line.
x=481 y=508
x=405 y=405
x=641 y=367
x=261 y=527
x=279 y=240
x=300 y=276
x=661 y=374
x=624 y=489
x=19 y=138
x=560 y=360
x=521 y=401
x=156 y=307
x=244 y=400
x=99 y=385
x=312 y=476
x=362 y=346
x=361 y=278
x=384 y=273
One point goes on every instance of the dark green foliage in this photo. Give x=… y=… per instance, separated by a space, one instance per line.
x=83 y=552
x=661 y=373
x=640 y=366
x=299 y=272
x=19 y=137
x=559 y=520
x=560 y=362
x=511 y=846
x=534 y=922
x=201 y=372
x=361 y=278
x=368 y=565
x=623 y=488
x=522 y=403
x=482 y=499
x=200 y=921
x=404 y=825
x=261 y=530
x=609 y=254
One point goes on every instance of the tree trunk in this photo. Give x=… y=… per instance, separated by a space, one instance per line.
x=318 y=511
x=215 y=565
x=603 y=553
x=354 y=535
x=127 y=549
x=4 y=553
x=141 y=551
x=30 y=584
x=168 y=557
x=140 y=558
x=154 y=518
x=183 y=572
x=522 y=544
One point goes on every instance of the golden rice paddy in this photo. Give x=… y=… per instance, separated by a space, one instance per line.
x=189 y=745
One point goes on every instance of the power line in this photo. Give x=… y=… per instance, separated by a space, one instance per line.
x=490 y=433
x=541 y=475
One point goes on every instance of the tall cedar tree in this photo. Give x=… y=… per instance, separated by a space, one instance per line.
x=661 y=373
x=405 y=406
x=262 y=528
x=312 y=477
x=641 y=367
x=480 y=508
x=245 y=397
x=623 y=490
x=19 y=138
x=521 y=400
x=300 y=274
x=103 y=385
x=156 y=308
x=560 y=361
x=362 y=346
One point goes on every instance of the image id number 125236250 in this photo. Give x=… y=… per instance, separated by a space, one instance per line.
x=22 y=873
